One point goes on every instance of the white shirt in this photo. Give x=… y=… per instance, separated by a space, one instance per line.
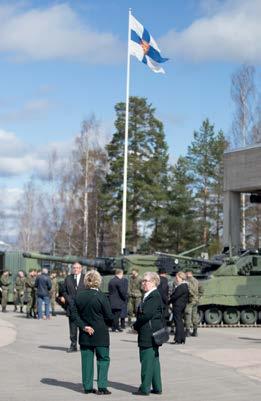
x=148 y=293
x=78 y=276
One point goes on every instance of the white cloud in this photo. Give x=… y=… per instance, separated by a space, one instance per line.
x=56 y=32
x=10 y=144
x=11 y=166
x=31 y=110
x=231 y=31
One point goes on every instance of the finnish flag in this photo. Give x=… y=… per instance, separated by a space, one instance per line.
x=143 y=46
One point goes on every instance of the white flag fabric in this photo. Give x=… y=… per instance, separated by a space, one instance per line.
x=143 y=46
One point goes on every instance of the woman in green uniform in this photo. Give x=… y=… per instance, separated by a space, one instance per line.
x=93 y=315
x=149 y=320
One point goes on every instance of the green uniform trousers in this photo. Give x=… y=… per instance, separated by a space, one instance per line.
x=150 y=370
x=30 y=302
x=133 y=304
x=4 y=299
x=191 y=316
x=103 y=362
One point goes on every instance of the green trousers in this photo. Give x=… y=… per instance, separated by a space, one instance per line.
x=191 y=316
x=4 y=299
x=103 y=362
x=150 y=370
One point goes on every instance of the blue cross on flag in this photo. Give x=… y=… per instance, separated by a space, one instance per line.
x=143 y=46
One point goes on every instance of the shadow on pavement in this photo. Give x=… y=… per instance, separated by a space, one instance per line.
x=78 y=386
x=129 y=341
x=257 y=340
x=122 y=386
x=53 y=347
x=69 y=385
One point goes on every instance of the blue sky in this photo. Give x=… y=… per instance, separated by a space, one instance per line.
x=64 y=60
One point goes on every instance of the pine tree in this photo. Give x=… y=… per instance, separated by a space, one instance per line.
x=177 y=231
x=205 y=157
x=147 y=167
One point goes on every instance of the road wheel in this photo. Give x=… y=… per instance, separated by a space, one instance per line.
x=213 y=315
x=248 y=316
x=231 y=316
x=200 y=316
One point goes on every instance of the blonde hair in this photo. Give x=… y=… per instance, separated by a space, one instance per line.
x=182 y=275
x=152 y=276
x=92 y=279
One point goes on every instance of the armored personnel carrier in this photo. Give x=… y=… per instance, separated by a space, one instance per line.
x=232 y=293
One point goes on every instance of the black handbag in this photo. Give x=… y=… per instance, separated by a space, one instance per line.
x=161 y=336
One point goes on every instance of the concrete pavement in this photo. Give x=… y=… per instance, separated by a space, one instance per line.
x=221 y=364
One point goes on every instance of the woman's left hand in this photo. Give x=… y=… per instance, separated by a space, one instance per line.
x=89 y=330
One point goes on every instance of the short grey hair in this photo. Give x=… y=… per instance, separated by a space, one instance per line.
x=44 y=270
x=153 y=277
x=92 y=279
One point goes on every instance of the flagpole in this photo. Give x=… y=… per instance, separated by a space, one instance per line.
x=125 y=168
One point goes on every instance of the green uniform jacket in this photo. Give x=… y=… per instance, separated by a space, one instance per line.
x=20 y=283
x=149 y=319
x=5 y=282
x=134 y=289
x=29 y=284
x=195 y=290
x=92 y=308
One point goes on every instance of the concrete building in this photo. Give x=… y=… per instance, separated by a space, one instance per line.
x=242 y=174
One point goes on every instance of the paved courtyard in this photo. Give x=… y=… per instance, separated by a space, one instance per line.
x=221 y=364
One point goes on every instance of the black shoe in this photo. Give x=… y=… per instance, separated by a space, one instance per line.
x=72 y=349
x=178 y=342
x=194 y=333
x=53 y=313
x=156 y=392
x=103 y=391
x=139 y=393
x=92 y=391
x=187 y=333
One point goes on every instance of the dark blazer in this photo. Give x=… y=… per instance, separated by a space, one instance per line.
x=179 y=297
x=70 y=290
x=118 y=293
x=92 y=308
x=163 y=289
x=149 y=319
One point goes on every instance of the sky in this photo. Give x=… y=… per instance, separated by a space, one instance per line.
x=62 y=61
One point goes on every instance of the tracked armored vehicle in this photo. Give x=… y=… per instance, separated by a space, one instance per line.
x=232 y=294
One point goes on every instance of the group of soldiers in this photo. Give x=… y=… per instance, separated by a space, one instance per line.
x=24 y=291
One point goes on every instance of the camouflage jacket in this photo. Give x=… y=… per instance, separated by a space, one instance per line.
x=29 y=284
x=5 y=282
x=55 y=289
x=195 y=290
x=20 y=283
x=135 y=287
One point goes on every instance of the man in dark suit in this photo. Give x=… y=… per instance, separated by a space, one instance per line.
x=73 y=284
x=163 y=289
x=117 y=296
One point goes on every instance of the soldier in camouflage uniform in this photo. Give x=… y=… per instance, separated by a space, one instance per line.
x=5 y=282
x=30 y=293
x=134 y=293
x=191 y=311
x=19 y=291
x=54 y=292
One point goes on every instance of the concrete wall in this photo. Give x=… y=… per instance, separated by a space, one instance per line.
x=242 y=173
